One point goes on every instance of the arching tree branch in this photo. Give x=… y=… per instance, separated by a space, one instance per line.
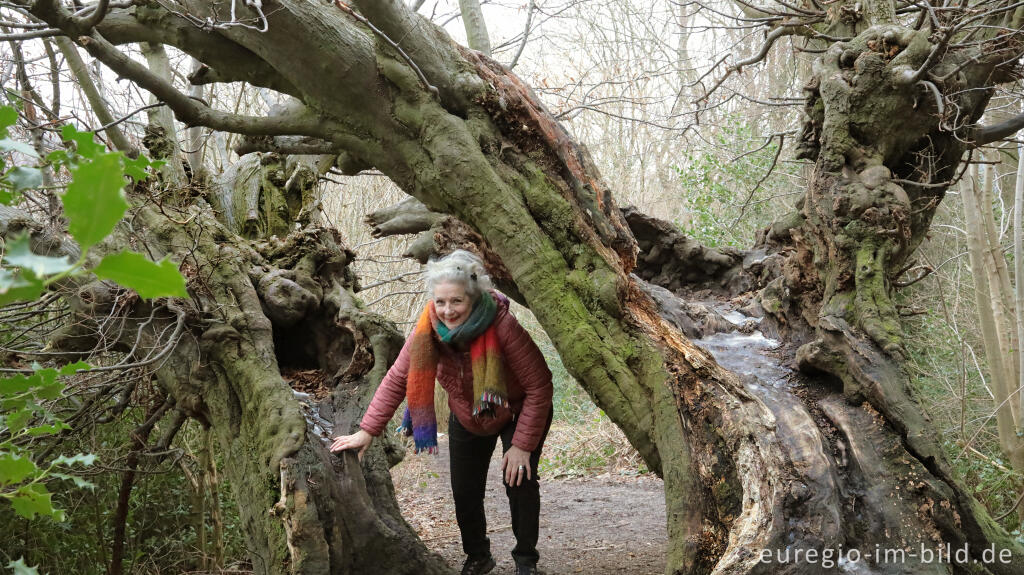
x=988 y=134
x=225 y=61
x=286 y=145
x=195 y=113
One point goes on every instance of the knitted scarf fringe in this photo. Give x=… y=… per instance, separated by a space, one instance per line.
x=488 y=401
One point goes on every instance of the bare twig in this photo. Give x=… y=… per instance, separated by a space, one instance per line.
x=526 y=34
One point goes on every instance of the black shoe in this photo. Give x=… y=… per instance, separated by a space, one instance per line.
x=478 y=566
x=525 y=569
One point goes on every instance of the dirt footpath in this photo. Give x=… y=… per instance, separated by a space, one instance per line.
x=603 y=525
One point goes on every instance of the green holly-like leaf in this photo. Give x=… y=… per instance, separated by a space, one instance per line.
x=58 y=157
x=23 y=178
x=19 y=286
x=9 y=145
x=94 y=201
x=21 y=255
x=6 y=197
x=18 y=420
x=50 y=429
x=135 y=271
x=8 y=117
x=14 y=468
x=20 y=568
x=17 y=383
x=49 y=390
x=34 y=499
x=12 y=405
x=138 y=168
x=79 y=482
x=74 y=367
x=85 y=142
x=85 y=459
x=46 y=375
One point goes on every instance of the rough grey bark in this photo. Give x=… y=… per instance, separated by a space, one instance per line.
x=476 y=26
x=265 y=194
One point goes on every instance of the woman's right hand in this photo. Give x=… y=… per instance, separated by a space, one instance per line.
x=359 y=440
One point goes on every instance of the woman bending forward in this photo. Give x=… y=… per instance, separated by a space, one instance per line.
x=498 y=387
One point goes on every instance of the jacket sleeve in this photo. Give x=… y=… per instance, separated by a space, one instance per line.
x=389 y=394
x=525 y=360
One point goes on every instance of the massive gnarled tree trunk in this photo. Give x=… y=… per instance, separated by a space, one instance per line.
x=845 y=459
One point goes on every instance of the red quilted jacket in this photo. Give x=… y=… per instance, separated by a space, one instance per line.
x=529 y=386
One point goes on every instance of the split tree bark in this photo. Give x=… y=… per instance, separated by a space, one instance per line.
x=848 y=459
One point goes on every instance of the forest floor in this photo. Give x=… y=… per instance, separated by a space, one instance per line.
x=598 y=524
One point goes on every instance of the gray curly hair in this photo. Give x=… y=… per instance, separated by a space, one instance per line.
x=459 y=267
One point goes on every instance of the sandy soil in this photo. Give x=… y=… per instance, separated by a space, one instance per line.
x=601 y=525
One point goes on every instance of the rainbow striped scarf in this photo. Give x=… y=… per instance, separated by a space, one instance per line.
x=490 y=387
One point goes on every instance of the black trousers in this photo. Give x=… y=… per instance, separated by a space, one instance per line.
x=470 y=458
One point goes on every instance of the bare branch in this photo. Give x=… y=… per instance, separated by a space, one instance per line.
x=23 y=25
x=287 y=145
x=933 y=57
x=95 y=16
x=47 y=33
x=769 y=41
x=988 y=134
x=30 y=95
x=225 y=61
x=113 y=123
x=390 y=294
x=195 y=113
x=925 y=272
x=771 y=168
x=935 y=92
x=791 y=29
x=526 y=34
x=399 y=277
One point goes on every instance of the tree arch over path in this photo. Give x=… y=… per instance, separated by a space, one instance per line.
x=891 y=109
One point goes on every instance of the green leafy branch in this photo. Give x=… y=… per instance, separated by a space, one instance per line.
x=714 y=187
x=24 y=416
x=93 y=204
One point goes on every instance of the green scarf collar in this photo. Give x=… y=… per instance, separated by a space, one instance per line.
x=480 y=318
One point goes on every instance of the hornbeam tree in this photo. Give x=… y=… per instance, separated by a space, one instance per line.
x=845 y=459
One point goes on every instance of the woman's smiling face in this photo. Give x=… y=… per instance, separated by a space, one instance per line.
x=451 y=303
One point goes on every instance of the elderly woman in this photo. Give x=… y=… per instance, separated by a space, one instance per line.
x=498 y=386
